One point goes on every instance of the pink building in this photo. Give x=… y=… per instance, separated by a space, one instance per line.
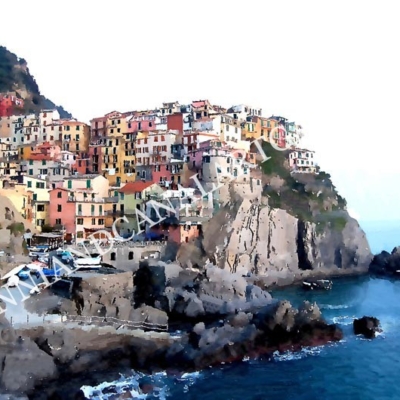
x=209 y=147
x=183 y=233
x=61 y=211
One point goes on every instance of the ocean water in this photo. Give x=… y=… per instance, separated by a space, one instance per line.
x=354 y=368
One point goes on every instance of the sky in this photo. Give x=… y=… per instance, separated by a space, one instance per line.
x=332 y=67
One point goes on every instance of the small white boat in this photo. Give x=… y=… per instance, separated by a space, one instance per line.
x=92 y=262
x=13 y=281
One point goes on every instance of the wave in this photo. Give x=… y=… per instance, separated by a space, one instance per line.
x=334 y=307
x=297 y=355
x=344 y=320
x=127 y=385
x=131 y=385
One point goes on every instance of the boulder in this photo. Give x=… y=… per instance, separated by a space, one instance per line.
x=367 y=326
x=26 y=367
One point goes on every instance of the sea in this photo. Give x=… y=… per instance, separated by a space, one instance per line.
x=354 y=368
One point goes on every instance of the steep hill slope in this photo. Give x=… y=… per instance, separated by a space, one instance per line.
x=289 y=227
x=15 y=77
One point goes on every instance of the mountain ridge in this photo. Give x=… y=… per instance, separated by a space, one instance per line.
x=16 y=78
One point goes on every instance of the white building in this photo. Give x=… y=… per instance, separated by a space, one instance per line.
x=46 y=117
x=242 y=111
x=154 y=147
x=169 y=108
x=302 y=160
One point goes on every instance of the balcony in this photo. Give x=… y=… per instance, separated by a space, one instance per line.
x=114 y=213
x=113 y=199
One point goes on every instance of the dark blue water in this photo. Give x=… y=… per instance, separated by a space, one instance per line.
x=354 y=368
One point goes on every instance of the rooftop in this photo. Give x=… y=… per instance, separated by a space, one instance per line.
x=135 y=187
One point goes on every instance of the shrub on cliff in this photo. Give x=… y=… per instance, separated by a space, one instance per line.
x=309 y=197
x=16 y=228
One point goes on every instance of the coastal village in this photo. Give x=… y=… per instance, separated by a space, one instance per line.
x=73 y=179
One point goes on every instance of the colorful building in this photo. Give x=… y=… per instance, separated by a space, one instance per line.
x=133 y=196
x=75 y=136
x=81 y=205
x=40 y=200
x=302 y=160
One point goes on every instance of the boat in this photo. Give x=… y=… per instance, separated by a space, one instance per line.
x=38 y=251
x=319 y=284
x=12 y=281
x=88 y=262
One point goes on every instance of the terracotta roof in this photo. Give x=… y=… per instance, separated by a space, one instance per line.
x=199 y=103
x=135 y=187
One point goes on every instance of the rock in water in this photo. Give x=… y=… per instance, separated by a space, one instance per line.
x=367 y=326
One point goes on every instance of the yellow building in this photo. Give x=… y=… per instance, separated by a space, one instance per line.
x=75 y=136
x=40 y=200
x=118 y=155
x=20 y=197
x=25 y=151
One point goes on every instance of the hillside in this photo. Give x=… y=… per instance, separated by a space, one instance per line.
x=15 y=77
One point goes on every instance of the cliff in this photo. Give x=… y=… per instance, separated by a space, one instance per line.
x=15 y=77
x=281 y=227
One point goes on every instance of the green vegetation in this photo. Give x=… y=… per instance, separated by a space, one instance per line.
x=16 y=228
x=296 y=197
x=47 y=229
x=14 y=76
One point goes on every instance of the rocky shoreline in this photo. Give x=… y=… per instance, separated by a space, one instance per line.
x=241 y=321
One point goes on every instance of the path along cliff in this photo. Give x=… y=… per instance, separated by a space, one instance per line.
x=281 y=227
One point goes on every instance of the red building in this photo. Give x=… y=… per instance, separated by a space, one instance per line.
x=82 y=164
x=95 y=159
x=9 y=104
x=175 y=122
x=161 y=173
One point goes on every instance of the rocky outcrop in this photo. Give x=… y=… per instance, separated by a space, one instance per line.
x=367 y=326
x=248 y=236
x=386 y=264
x=82 y=355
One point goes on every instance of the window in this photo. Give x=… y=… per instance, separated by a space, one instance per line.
x=130 y=255
x=100 y=210
x=92 y=209
x=113 y=256
x=58 y=221
x=31 y=173
x=79 y=221
x=88 y=184
x=101 y=221
x=69 y=184
x=29 y=184
x=40 y=185
x=59 y=208
x=93 y=221
x=30 y=162
x=34 y=197
x=40 y=207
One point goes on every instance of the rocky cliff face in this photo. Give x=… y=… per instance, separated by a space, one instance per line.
x=273 y=244
x=282 y=229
